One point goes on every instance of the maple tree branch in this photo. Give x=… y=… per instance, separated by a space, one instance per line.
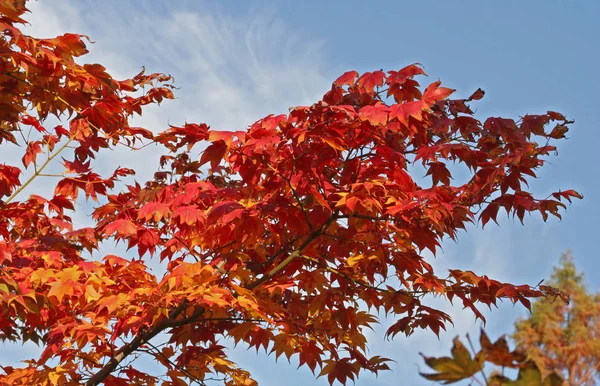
x=144 y=338
x=195 y=254
x=300 y=203
x=169 y=361
x=362 y=283
x=50 y=157
x=144 y=145
x=200 y=257
x=294 y=193
x=54 y=175
x=23 y=136
x=38 y=172
x=347 y=277
x=312 y=236
x=365 y=217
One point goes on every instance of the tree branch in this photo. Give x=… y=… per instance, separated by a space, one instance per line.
x=38 y=171
x=144 y=338
x=312 y=236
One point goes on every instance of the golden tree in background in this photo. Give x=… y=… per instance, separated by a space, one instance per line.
x=564 y=337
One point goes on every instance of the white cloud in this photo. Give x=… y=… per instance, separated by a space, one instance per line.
x=48 y=20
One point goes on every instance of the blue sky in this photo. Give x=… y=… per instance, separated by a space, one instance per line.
x=238 y=61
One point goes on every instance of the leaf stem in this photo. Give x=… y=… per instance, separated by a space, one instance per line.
x=38 y=171
x=485 y=379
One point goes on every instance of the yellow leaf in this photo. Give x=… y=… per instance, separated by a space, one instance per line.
x=333 y=144
x=60 y=289
x=40 y=276
x=352 y=261
x=91 y=293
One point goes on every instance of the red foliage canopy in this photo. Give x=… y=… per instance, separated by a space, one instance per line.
x=277 y=237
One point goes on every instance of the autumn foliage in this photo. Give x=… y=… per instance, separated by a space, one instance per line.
x=291 y=236
x=464 y=365
x=557 y=344
x=564 y=337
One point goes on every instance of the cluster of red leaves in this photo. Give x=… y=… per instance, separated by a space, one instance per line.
x=276 y=237
x=462 y=365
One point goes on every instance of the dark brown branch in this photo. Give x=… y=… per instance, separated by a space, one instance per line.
x=144 y=338
x=312 y=236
